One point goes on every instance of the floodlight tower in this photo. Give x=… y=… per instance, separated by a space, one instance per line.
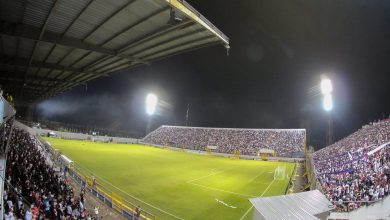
x=150 y=105
x=327 y=104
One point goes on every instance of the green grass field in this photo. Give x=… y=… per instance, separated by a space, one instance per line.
x=177 y=185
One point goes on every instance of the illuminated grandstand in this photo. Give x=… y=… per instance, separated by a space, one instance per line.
x=284 y=142
x=355 y=171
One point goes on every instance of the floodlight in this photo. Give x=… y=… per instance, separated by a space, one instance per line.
x=326 y=86
x=151 y=103
x=327 y=103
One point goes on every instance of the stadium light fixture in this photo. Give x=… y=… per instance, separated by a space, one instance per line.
x=326 y=86
x=151 y=103
x=327 y=102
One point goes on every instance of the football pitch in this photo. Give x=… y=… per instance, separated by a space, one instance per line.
x=177 y=185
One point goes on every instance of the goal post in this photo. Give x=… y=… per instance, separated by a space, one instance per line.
x=280 y=173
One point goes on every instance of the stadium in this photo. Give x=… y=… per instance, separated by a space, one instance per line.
x=199 y=145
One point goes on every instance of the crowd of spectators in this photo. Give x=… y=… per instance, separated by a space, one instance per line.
x=5 y=130
x=34 y=189
x=355 y=171
x=228 y=140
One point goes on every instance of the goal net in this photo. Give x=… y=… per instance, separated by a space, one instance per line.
x=280 y=173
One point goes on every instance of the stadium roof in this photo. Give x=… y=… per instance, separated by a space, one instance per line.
x=304 y=205
x=50 y=46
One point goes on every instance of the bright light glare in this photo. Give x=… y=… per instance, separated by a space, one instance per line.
x=327 y=103
x=326 y=86
x=151 y=103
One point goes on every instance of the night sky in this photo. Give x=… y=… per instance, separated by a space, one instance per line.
x=279 y=49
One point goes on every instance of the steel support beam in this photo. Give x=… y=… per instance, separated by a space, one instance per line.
x=41 y=33
x=17 y=61
x=19 y=78
x=32 y=33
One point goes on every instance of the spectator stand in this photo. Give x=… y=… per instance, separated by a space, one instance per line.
x=34 y=180
x=217 y=154
x=355 y=171
x=286 y=142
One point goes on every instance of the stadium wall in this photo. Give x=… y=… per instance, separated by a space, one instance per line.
x=80 y=136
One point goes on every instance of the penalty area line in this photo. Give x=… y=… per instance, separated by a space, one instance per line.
x=250 y=208
x=267 y=188
x=246 y=213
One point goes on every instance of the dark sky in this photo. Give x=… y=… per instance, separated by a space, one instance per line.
x=279 y=49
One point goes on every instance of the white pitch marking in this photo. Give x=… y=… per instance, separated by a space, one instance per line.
x=267 y=188
x=211 y=174
x=256 y=176
x=246 y=213
x=225 y=204
x=221 y=190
